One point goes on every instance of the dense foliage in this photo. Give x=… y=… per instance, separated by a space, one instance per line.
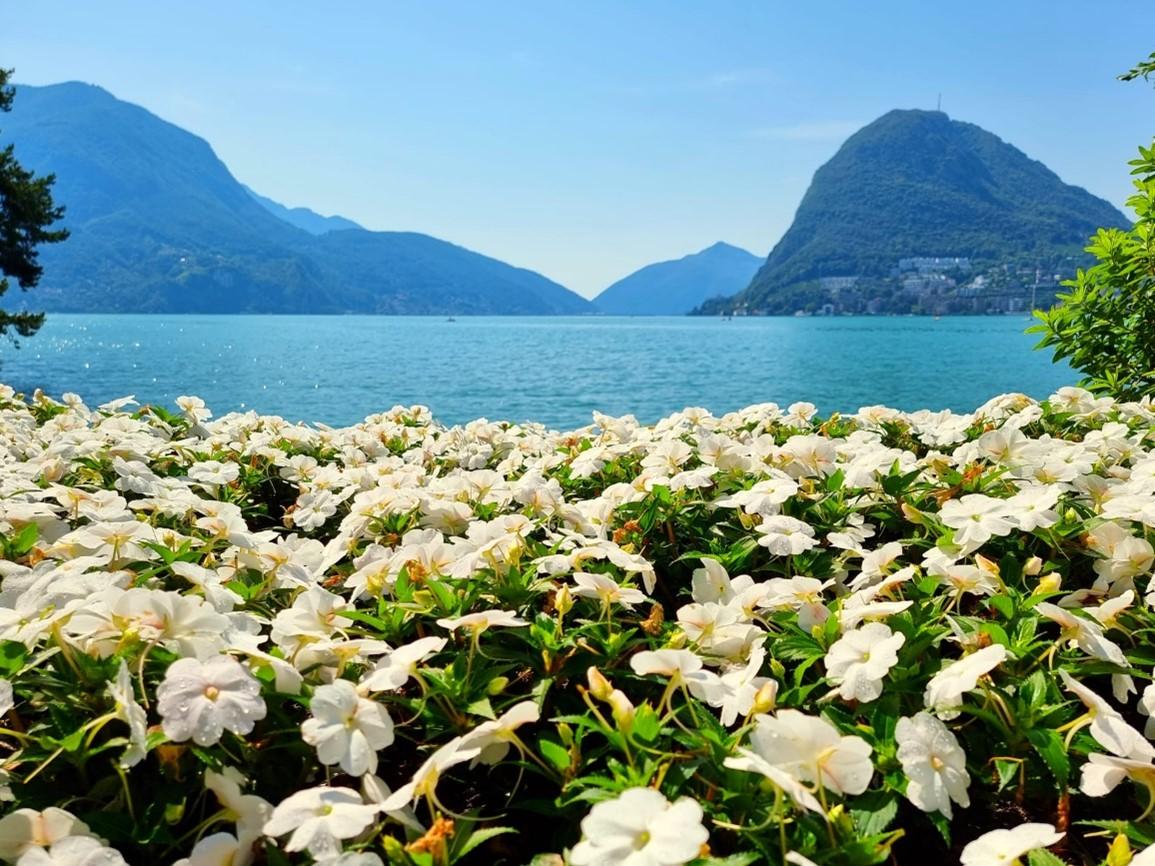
x=916 y=183
x=27 y=214
x=1105 y=325
x=160 y=225
x=758 y=638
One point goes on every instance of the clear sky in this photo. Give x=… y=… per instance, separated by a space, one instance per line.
x=586 y=139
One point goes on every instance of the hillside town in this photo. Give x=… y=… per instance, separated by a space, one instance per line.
x=929 y=285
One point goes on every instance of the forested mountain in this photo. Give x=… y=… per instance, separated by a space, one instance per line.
x=919 y=184
x=159 y=224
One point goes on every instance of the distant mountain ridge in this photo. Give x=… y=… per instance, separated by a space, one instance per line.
x=159 y=224
x=917 y=183
x=302 y=217
x=676 y=287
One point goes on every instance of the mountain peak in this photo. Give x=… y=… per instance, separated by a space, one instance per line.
x=916 y=183
x=675 y=287
x=302 y=217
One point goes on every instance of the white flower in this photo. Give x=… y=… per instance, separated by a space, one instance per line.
x=1032 y=507
x=934 y=762
x=347 y=729
x=494 y=737
x=640 y=827
x=1107 y=725
x=25 y=829
x=858 y=660
x=666 y=662
x=199 y=701
x=735 y=690
x=975 y=518
x=73 y=851
x=711 y=582
x=319 y=818
x=751 y=762
x=132 y=714
x=803 y=594
x=718 y=629
x=193 y=408
x=482 y=620
x=248 y=811
x=812 y=750
x=1004 y=847
x=1147 y=708
x=219 y=849
x=395 y=670
x=424 y=781
x=1103 y=773
x=606 y=590
x=1084 y=633
x=211 y=473
x=944 y=692
x=786 y=536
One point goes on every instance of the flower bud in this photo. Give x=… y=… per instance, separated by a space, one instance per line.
x=989 y=566
x=912 y=514
x=623 y=710
x=496 y=685
x=765 y=698
x=1033 y=566
x=600 y=687
x=1071 y=516
x=1049 y=582
x=563 y=601
x=565 y=734
x=1119 y=854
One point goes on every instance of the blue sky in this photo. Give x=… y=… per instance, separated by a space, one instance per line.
x=585 y=140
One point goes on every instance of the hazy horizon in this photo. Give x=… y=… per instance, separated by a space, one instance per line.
x=587 y=142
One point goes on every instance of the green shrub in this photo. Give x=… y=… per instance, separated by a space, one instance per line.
x=1105 y=326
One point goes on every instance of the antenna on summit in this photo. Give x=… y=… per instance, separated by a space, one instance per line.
x=939 y=103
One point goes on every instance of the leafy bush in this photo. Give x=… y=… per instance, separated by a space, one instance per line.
x=762 y=638
x=1105 y=326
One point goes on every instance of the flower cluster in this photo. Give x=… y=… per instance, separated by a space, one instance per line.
x=766 y=637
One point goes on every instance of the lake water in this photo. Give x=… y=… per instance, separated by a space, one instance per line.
x=338 y=369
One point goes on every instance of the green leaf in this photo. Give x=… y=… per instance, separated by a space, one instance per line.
x=23 y=540
x=555 y=753
x=1043 y=857
x=1052 y=750
x=873 y=812
x=482 y=707
x=743 y=859
x=1004 y=605
x=12 y=657
x=480 y=837
x=1006 y=770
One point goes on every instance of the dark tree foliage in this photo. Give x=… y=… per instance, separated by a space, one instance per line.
x=1105 y=325
x=26 y=214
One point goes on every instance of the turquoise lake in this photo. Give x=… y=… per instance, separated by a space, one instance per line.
x=338 y=369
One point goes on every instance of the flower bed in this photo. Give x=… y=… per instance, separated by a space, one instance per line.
x=761 y=638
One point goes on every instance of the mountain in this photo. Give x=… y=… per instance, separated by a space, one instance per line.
x=675 y=287
x=303 y=218
x=160 y=225
x=919 y=184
